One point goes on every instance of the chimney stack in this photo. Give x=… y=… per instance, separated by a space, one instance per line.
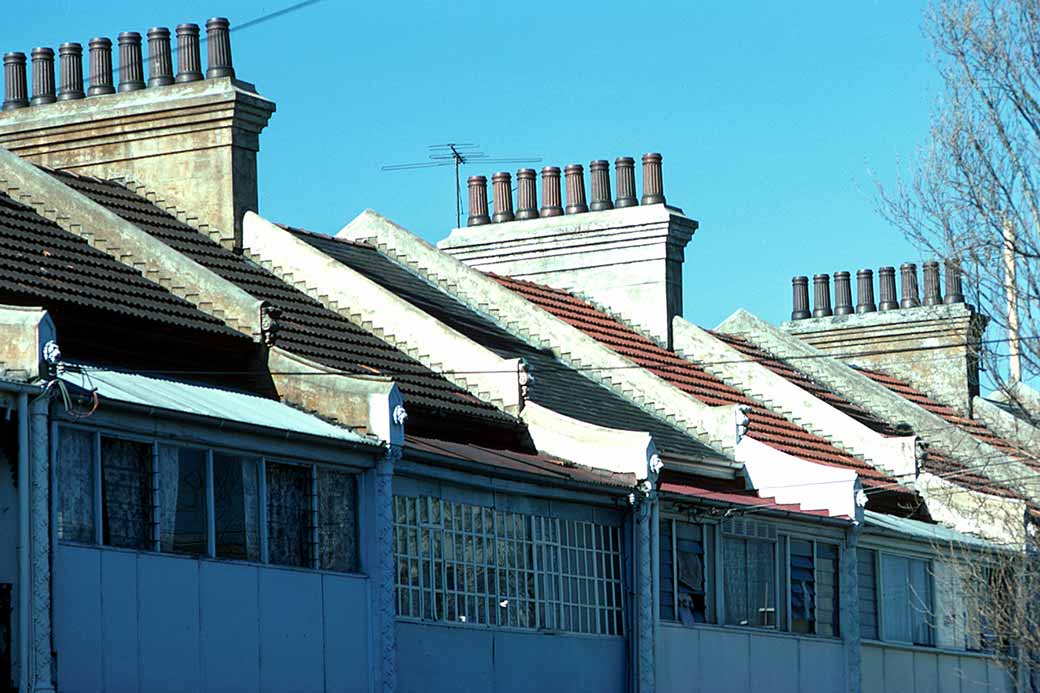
x=821 y=296
x=218 y=48
x=160 y=60
x=653 y=185
x=932 y=290
x=865 y=291
x=800 y=287
x=526 y=195
x=954 y=290
x=911 y=299
x=478 y=206
x=842 y=294
x=575 y=174
x=189 y=64
x=887 y=285
x=100 y=67
x=502 y=188
x=600 y=171
x=15 y=91
x=70 y=64
x=131 y=70
x=551 y=205
x=625 y=175
x=42 y=77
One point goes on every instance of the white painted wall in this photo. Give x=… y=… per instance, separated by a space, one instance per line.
x=128 y=621
x=893 y=669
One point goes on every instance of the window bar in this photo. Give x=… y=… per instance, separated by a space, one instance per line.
x=156 y=499
x=559 y=571
x=596 y=579
x=419 y=555
x=314 y=517
x=211 y=525
x=816 y=589
x=534 y=572
x=262 y=493
x=456 y=530
x=99 y=519
x=879 y=606
x=444 y=562
x=787 y=583
x=675 y=570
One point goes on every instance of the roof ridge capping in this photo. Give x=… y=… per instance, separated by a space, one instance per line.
x=129 y=245
x=875 y=398
x=718 y=426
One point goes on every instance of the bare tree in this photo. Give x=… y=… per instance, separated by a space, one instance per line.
x=973 y=193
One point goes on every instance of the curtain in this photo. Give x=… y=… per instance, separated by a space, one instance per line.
x=182 y=484
x=126 y=493
x=236 y=507
x=288 y=514
x=169 y=484
x=337 y=521
x=76 y=485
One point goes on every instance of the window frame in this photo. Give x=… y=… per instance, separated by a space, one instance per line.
x=879 y=552
x=212 y=446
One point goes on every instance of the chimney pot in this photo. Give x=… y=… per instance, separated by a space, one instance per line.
x=887 y=283
x=842 y=294
x=189 y=64
x=932 y=290
x=478 y=207
x=954 y=288
x=625 y=175
x=100 y=67
x=160 y=60
x=800 y=287
x=600 y=171
x=911 y=298
x=526 y=195
x=70 y=64
x=131 y=69
x=865 y=291
x=502 y=188
x=218 y=48
x=551 y=205
x=653 y=186
x=16 y=94
x=42 y=77
x=575 y=174
x=821 y=296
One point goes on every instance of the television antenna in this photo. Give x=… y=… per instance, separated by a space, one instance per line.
x=458 y=154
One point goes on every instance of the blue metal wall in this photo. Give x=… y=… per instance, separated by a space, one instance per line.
x=125 y=621
x=893 y=669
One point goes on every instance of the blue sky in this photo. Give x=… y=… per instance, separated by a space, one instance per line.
x=770 y=116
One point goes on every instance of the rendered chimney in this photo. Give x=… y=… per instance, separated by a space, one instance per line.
x=865 y=291
x=551 y=204
x=821 y=296
x=625 y=177
x=842 y=294
x=887 y=286
x=911 y=299
x=478 y=206
x=954 y=289
x=502 y=188
x=42 y=77
x=194 y=145
x=526 y=194
x=600 y=172
x=15 y=92
x=800 y=289
x=131 y=71
x=189 y=63
x=218 y=48
x=932 y=290
x=653 y=185
x=100 y=67
x=70 y=64
x=160 y=60
x=576 y=189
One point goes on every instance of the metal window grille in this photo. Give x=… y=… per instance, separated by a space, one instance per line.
x=471 y=564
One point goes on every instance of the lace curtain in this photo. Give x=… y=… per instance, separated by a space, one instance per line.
x=288 y=514
x=76 y=485
x=125 y=493
x=236 y=507
x=337 y=520
x=182 y=501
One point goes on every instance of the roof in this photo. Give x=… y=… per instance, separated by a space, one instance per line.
x=214 y=403
x=729 y=492
x=43 y=262
x=555 y=385
x=304 y=326
x=926 y=531
x=763 y=425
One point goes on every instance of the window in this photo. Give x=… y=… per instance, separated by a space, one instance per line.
x=903 y=599
x=471 y=564
x=867 y=578
x=749 y=581
x=684 y=578
x=813 y=581
x=202 y=502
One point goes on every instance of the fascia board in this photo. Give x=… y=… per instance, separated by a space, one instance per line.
x=882 y=402
x=716 y=426
x=365 y=303
x=110 y=233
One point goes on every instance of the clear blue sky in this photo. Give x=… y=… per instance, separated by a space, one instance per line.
x=770 y=115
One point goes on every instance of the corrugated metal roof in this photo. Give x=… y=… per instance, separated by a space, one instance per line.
x=208 y=401
x=922 y=530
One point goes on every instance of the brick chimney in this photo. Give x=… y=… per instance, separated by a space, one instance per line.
x=933 y=345
x=625 y=255
x=190 y=139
